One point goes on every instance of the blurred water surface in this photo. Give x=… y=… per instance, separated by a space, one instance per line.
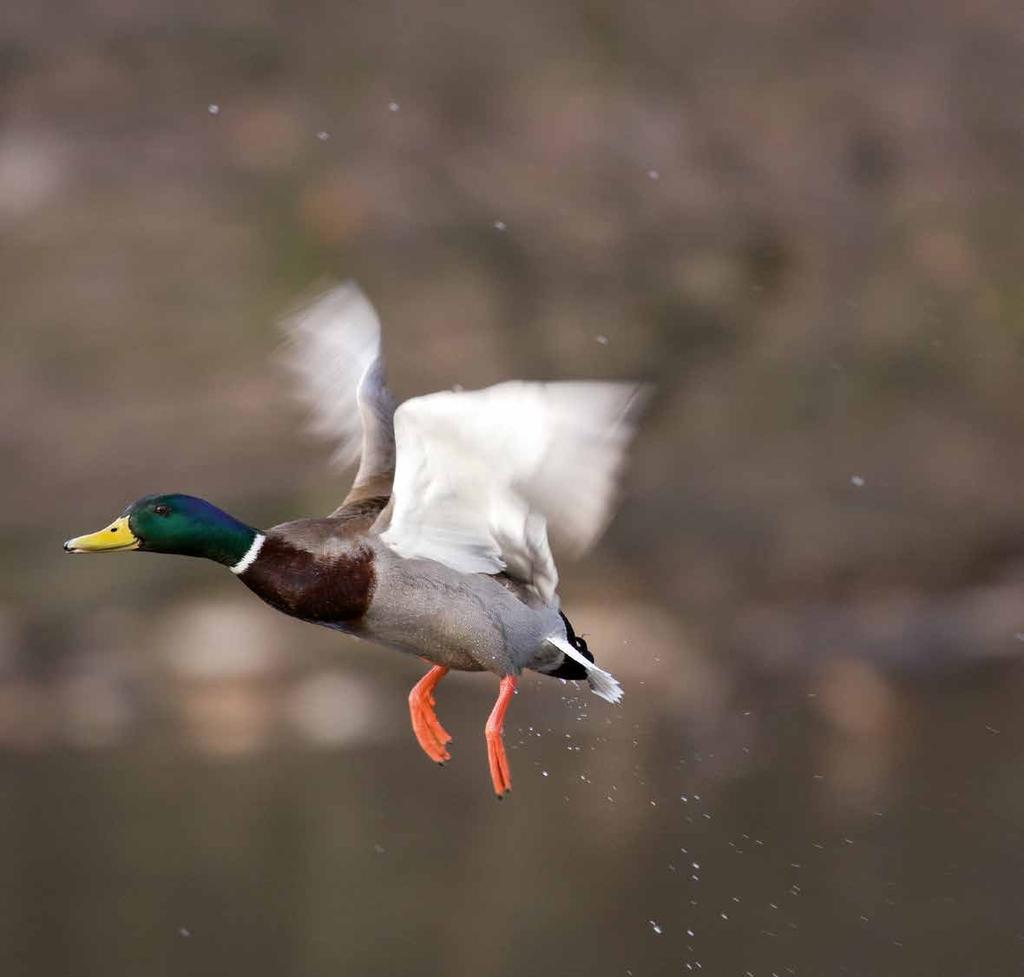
x=624 y=848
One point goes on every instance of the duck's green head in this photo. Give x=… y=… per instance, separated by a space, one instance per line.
x=176 y=523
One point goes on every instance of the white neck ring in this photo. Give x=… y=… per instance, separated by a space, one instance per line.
x=250 y=556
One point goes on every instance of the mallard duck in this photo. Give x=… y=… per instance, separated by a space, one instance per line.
x=441 y=547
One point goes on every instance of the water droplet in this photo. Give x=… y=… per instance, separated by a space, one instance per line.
x=213 y=108
x=603 y=340
x=184 y=932
x=653 y=175
x=500 y=226
x=323 y=135
x=858 y=481
x=393 y=106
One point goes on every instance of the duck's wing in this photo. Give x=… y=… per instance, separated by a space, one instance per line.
x=482 y=477
x=334 y=349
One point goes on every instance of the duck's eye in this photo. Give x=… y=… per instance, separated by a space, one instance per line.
x=162 y=510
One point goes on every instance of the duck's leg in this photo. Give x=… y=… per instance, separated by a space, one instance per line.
x=431 y=735
x=493 y=732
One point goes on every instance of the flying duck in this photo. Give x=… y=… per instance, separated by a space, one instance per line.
x=441 y=548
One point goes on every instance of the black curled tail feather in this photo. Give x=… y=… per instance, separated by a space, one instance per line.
x=570 y=669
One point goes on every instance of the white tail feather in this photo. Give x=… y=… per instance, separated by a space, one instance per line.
x=602 y=683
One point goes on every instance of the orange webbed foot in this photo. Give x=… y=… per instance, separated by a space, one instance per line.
x=496 y=759
x=430 y=734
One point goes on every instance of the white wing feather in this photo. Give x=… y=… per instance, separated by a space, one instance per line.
x=483 y=476
x=334 y=341
x=335 y=350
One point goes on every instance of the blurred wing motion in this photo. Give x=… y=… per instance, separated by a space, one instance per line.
x=334 y=348
x=483 y=476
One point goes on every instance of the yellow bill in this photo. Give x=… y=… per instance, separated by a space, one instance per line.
x=117 y=536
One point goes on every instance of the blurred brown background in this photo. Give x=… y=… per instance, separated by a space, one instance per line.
x=802 y=220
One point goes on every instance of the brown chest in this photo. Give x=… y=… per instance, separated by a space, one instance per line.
x=324 y=589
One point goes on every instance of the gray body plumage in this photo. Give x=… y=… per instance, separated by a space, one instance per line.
x=469 y=622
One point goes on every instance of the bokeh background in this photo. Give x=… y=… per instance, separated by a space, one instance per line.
x=801 y=220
